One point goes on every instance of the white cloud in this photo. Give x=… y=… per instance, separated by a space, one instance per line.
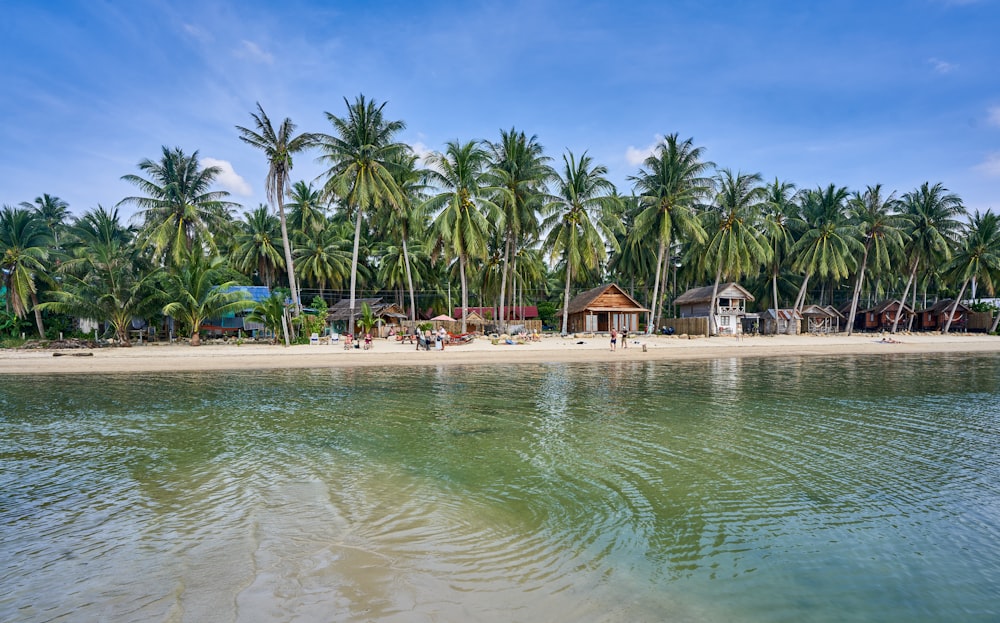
x=635 y=156
x=421 y=150
x=229 y=178
x=198 y=33
x=942 y=67
x=251 y=51
x=993 y=116
x=990 y=166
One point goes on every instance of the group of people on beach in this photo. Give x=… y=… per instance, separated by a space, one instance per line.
x=615 y=334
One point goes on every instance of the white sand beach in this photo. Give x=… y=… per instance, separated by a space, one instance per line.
x=183 y=357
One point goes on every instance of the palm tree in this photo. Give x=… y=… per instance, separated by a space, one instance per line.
x=53 y=211
x=359 y=154
x=781 y=222
x=270 y=313
x=306 y=212
x=881 y=227
x=461 y=228
x=668 y=186
x=24 y=245
x=255 y=245
x=106 y=279
x=279 y=147
x=932 y=213
x=828 y=245
x=736 y=245
x=978 y=258
x=322 y=259
x=408 y=218
x=178 y=210
x=520 y=168
x=196 y=293
x=585 y=209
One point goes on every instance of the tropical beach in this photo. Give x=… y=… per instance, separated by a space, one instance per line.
x=482 y=351
x=701 y=312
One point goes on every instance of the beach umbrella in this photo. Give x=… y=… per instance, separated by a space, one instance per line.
x=443 y=318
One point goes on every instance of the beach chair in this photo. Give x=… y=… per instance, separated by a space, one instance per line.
x=348 y=341
x=314 y=339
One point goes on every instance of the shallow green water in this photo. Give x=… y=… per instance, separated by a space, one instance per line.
x=863 y=489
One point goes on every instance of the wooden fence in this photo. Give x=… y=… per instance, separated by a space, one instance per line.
x=689 y=326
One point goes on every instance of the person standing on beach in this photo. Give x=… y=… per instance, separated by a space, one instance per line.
x=625 y=338
x=614 y=339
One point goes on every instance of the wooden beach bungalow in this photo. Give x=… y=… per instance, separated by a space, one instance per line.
x=934 y=317
x=730 y=305
x=882 y=316
x=602 y=309
x=387 y=315
x=781 y=322
x=819 y=319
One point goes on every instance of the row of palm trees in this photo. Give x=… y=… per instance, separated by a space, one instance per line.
x=496 y=217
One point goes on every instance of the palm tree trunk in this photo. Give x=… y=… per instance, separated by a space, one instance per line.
x=354 y=268
x=409 y=280
x=296 y=304
x=503 y=284
x=774 y=289
x=38 y=316
x=465 y=291
x=996 y=321
x=857 y=292
x=656 y=290
x=906 y=290
x=954 y=307
x=565 y=322
x=713 y=329
x=800 y=298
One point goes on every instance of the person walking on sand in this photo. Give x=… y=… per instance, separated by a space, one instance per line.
x=614 y=339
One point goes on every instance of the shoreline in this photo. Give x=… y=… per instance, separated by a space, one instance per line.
x=153 y=358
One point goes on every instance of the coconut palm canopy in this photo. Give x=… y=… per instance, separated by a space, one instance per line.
x=488 y=224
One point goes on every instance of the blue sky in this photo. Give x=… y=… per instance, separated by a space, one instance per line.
x=810 y=91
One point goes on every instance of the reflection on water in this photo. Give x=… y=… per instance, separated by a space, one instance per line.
x=731 y=489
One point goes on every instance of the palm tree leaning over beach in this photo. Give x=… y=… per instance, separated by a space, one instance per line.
x=179 y=212
x=24 y=245
x=736 y=245
x=978 y=258
x=359 y=155
x=931 y=233
x=881 y=227
x=279 y=147
x=582 y=217
x=461 y=228
x=669 y=186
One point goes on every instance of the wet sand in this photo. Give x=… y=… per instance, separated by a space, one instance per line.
x=250 y=356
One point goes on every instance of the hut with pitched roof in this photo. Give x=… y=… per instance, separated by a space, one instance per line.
x=602 y=309
x=730 y=305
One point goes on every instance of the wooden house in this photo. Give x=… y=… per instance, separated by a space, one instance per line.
x=818 y=319
x=387 y=315
x=730 y=305
x=602 y=309
x=781 y=322
x=934 y=317
x=882 y=316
